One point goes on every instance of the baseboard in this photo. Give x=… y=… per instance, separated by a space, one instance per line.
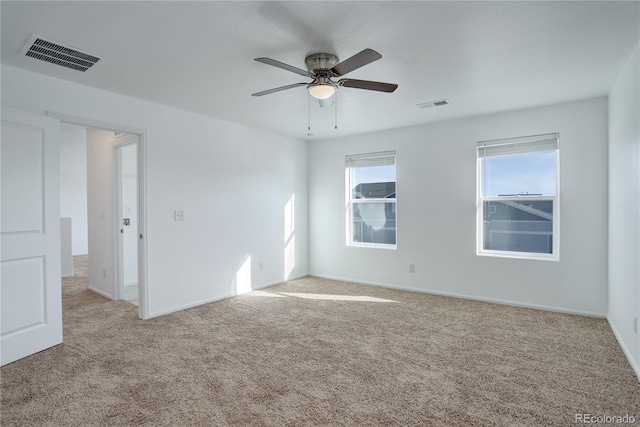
x=190 y=305
x=131 y=283
x=279 y=282
x=625 y=349
x=99 y=292
x=299 y=276
x=66 y=276
x=220 y=297
x=468 y=297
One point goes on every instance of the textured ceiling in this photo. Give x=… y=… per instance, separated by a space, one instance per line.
x=483 y=57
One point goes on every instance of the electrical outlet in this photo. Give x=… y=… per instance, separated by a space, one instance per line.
x=178 y=215
x=635 y=324
x=412 y=268
x=261 y=266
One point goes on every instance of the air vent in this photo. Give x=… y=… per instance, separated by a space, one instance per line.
x=430 y=104
x=44 y=50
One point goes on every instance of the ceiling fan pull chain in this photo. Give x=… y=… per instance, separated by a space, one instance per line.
x=309 y=113
x=335 y=108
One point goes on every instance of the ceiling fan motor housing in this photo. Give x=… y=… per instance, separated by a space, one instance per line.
x=320 y=61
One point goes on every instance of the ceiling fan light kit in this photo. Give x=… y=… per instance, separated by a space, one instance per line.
x=321 y=90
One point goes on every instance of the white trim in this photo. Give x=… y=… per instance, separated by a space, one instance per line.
x=190 y=305
x=625 y=350
x=299 y=276
x=66 y=276
x=98 y=124
x=468 y=297
x=116 y=202
x=125 y=139
x=355 y=161
x=99 y=292
x=277 y=282
x=530 y=256
x=143 y=273
x=374 y=200
x=480 y=201
x=386 y=246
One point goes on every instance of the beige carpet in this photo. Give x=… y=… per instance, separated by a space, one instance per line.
x=319 y=352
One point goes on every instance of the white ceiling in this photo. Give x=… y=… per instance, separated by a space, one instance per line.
x=483 y=57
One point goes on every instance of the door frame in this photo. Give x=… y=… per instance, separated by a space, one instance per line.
x=143 y=285
x=119 y=142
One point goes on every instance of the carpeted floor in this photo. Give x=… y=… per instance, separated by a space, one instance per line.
x=319 y=352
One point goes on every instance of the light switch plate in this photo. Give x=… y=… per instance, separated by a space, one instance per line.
x=178 y=215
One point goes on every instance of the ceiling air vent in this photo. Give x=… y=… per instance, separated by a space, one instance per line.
x=44 y=50
x=430 y=104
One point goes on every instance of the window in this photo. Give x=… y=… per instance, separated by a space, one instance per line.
x=371 y=199
x=518 y=197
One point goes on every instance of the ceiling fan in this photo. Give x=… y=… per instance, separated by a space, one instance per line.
x=323 y=67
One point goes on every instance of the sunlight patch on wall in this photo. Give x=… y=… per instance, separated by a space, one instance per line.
x=243 y=277
x=289 y=257
x=289 y=237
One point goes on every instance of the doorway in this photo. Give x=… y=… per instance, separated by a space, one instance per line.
x=116 y=207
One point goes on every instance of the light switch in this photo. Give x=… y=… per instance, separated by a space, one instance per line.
x=178 y=215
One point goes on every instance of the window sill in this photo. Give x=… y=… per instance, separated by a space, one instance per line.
x=372 y=246
x=519 y=255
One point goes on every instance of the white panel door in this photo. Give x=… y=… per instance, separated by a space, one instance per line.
x=30 y=288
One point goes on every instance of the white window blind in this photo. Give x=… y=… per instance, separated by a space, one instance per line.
x=383 y=158
x=527 y=144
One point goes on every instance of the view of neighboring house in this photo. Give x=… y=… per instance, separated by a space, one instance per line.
x=519 y=226
x=375 y=222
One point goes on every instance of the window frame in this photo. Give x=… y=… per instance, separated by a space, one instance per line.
x=481 y=200
x=350 y=201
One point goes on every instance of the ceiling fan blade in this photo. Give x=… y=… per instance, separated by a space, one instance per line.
x=284 y=66
x=369 y=85
x=278 y=89
x=358 y=60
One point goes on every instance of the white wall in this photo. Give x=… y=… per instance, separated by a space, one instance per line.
x=436 y=190
x=73 y=184
x=624 y=208
x=233 y=183
x=101 y=210
x=66 y=257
